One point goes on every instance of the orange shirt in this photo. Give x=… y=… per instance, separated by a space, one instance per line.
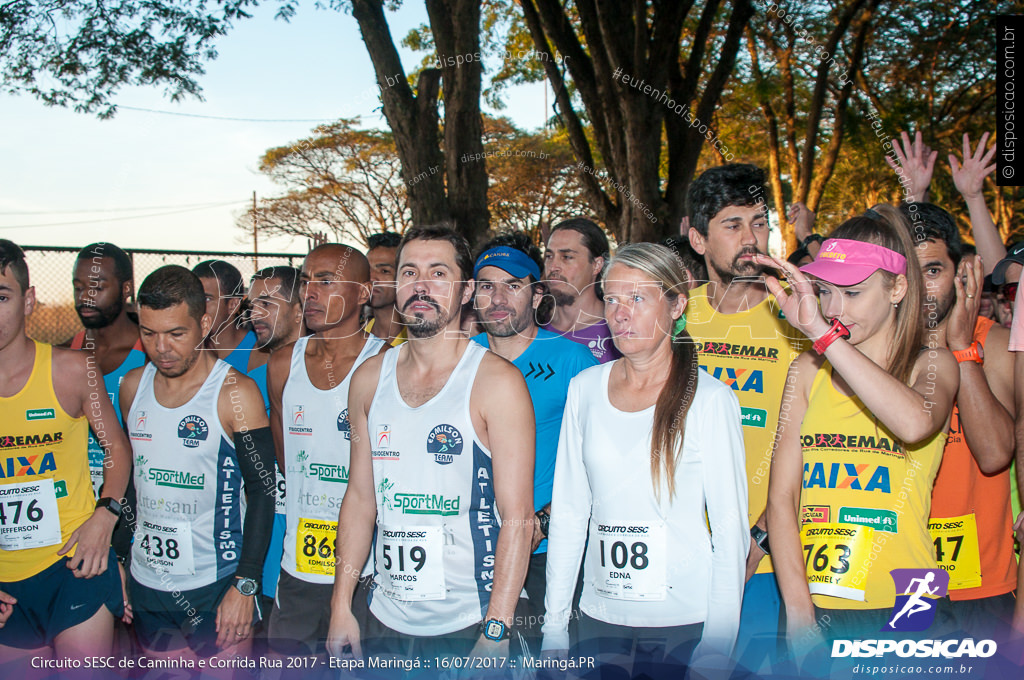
x=971 y=524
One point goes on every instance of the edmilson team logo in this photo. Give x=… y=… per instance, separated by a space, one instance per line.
x=917 y=591
x=445 y=442
x=192 y=430
x=343 y=425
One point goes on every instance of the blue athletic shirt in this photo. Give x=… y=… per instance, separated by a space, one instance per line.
x=112 y=382
x=239 y=357
x=272 y=565
x=548 y=364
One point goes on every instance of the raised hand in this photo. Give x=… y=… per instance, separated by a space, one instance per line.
x=799 y=303
x=802 y=219
x=969 y=177
x=964 y=315
x=917 y=161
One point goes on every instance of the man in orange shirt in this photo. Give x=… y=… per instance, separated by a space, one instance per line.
x=971 y=519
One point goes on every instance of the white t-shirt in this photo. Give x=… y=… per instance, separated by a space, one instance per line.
x=648 y=564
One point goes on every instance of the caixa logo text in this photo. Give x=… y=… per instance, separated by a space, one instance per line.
x=948 y=649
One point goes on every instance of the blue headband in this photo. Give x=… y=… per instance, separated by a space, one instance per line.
x=515 y=262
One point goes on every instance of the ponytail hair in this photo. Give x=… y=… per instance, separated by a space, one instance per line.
x=665 y=268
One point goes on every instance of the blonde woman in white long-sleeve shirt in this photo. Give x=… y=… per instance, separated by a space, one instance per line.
x=648 y=444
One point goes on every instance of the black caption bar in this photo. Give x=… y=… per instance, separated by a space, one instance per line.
x=1009 y=40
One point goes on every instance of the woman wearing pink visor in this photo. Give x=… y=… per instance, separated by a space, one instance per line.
x=860 y=439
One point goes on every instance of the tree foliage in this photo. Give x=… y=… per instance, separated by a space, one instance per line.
x=750 y=73
x=340 y=180
x=348 y=182
x=79 y=53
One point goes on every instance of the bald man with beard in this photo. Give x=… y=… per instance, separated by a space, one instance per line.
x=308 y=385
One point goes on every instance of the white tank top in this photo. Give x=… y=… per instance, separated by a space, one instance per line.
x=316 y=455
x=190 y=501
x=437 y=525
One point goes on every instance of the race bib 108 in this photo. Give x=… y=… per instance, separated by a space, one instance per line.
x=631 y=561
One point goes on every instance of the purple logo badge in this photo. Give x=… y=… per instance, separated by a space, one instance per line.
x=916 y=593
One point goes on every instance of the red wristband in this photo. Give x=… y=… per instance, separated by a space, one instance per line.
x=836 y=331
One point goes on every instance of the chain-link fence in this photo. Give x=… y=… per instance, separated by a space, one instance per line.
x=51 y=268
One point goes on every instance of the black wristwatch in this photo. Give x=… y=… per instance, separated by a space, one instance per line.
x=813 y=238
x=545 y=521
x=495 y=630
x=760 y=537
x=246 y=586
x=110 y=504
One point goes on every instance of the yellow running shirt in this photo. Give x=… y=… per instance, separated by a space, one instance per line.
x=865 y=501
x=750 y=352
x=45 y=490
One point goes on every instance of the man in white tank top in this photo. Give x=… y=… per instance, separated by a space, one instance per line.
x=204 y=478
x=441 y=477
x=308 y=384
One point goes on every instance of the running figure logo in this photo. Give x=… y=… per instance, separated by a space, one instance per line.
x=917 y=591
x=383 y=436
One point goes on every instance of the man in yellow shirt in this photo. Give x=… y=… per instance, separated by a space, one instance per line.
x=743 y=340
x=59 y=582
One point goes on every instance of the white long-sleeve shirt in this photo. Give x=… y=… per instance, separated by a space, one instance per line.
x=648 y=564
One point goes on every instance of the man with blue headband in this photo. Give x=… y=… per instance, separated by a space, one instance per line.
x=511 y=304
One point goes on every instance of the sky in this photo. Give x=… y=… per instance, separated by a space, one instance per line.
x=150 y=180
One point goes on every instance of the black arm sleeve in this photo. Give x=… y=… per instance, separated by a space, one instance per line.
x=121 y=540
x=125 y=528
x=255 y=452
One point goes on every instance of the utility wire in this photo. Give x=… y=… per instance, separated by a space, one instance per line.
x=118 y=219
x=228 y=118
x=105 y=210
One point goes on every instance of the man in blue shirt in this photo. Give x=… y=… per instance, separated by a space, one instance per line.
x=104 y=285
x=512 y=304
x=230 y=337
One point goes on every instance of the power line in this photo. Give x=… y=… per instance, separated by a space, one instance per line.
x=118 y=219
x=228 y=118
x=105 y=210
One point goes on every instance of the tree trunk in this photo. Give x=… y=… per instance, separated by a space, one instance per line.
x=415 y=122
x=456 y=28
x=633 y=87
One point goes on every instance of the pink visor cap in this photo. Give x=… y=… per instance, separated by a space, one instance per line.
x=845 y=262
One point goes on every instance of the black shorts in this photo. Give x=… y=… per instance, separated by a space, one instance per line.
x=165 y=621
x=985 y=618
x=658 y=653
x=54 y=600
x=301 y=615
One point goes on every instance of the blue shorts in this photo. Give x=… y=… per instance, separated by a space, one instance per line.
x=54 y=600
x=165 y=621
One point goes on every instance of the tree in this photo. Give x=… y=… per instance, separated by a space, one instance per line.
x=806 y=115
x=79 y=53
x=459 y=193
x=638 y=70
x=341 y=180
x=347 y=182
